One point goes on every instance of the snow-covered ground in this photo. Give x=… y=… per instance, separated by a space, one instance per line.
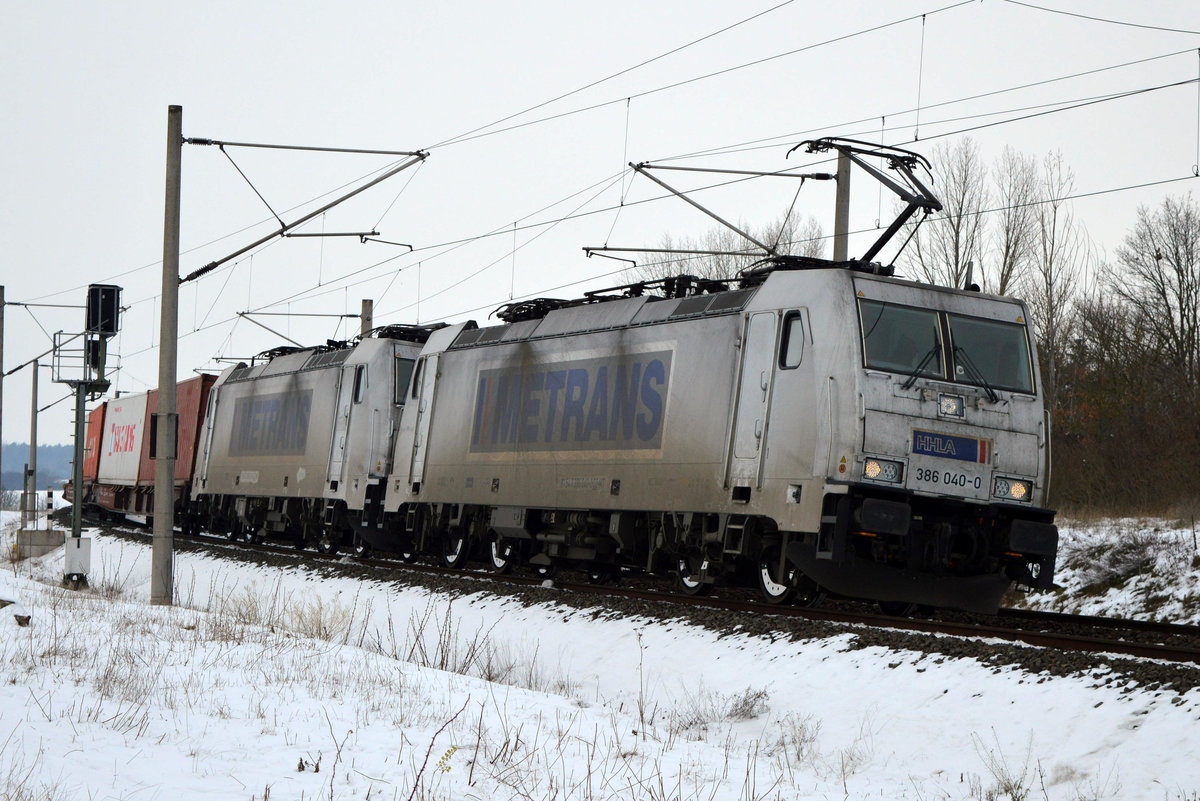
x=259 y=676
x=1148 y=569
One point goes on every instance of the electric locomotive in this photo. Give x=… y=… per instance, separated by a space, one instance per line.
x=819 y=430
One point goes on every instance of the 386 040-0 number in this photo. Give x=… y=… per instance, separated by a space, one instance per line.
x=947 y=478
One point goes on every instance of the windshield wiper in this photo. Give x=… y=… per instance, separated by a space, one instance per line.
x=921 y=366
x=975 y=374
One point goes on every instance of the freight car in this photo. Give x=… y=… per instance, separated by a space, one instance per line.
x=118 y=466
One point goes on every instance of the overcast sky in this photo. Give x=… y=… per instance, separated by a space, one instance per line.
x=87 y=85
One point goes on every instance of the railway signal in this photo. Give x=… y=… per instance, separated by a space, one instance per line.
x=79 y=362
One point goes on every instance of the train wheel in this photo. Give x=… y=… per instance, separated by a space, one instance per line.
x=457 y=548
x=688 y=577
x=232 y=534
x=361 y=549
x=604 y=574
x=327 y=543
x=808 y=593
x=776 y=585
x=409 y=557
x=501 y=553
x=897 y=608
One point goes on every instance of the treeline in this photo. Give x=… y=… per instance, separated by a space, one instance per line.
x=54 y=464
x=1127 y=409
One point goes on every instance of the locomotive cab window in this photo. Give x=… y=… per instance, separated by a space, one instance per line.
x=360 y=383
x=901 y=339
x=990 y=353
x=791 y=348
x=404 y=371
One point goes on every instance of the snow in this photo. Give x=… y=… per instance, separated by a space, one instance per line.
x=1140 y=568
x=403 y=693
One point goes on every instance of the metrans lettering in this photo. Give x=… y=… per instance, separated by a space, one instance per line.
x=610 y=403
x=271 y=425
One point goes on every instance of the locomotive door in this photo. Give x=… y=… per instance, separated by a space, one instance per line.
x=423 y=390
x=341 y=423
x=753 y=399
x=210 y=422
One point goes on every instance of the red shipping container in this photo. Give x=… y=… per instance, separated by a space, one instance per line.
x=91 y=443
x=191 y=403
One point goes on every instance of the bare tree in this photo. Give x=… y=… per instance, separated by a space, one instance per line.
x=1015 y=191
x=1061 y=250
x=730 y=252
x=947 y=242
x=807 y=239
x=1161 y=281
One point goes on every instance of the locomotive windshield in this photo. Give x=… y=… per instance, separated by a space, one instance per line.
x=902 y=339
x=990 y=353
x=953 y=347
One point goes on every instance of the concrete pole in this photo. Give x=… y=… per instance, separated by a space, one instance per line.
x=841 y=214
x=1 y=388
x=367 y=318
x=31 y=481
x=162 y=567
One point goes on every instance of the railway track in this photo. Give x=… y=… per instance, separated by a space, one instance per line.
x=1049 y=630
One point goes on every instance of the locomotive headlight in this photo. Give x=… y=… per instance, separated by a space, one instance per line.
x=950 y=405
x=883 y=470
x=1011 y=489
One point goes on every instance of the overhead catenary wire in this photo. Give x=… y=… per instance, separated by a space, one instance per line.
x=737 y=148
x=932 y=220
x=774 y=141
x=1065 y=106
x=639 y=65
x=1102 y=19
x=223 y=237
x=286 y=226
x=624 y=161
x=575 y=214
x=920 y=80
x=708 y=75
x=1198 y=159
x=398 y=194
